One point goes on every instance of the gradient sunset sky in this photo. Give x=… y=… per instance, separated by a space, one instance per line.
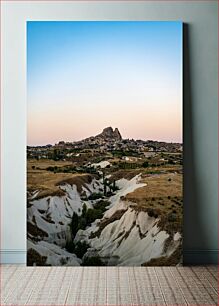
x=85 y=76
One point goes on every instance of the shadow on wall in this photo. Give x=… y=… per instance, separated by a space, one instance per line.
x=192 y=228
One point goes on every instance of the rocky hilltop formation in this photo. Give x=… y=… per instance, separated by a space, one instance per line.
x=108 y=134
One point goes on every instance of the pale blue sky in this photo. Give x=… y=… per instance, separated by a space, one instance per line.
x=84 y=76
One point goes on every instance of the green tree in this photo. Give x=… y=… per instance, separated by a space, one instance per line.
x=171 y=162
x=81 y=248
x=114 y=185
x=74 y=224
x=84 y=210
x=93 y=214
x=95 y=196
x=82 y=223
x=103 y=175
x=145 y=164
x=70 y=246
x=104 y=189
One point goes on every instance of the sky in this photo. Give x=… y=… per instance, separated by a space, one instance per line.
x=83 y=76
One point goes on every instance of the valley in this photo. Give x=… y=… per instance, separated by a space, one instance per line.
x=104 y=201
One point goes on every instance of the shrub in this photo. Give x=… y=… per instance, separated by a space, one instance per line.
x=172 y=217
x=101 y=205
x=50 y=168
x=115 y=187
x=109 y=193
x=81 y=248
x=63 y=261
x=84 y=210
x=35 y=259
x=152 y=213
x=145 y=164
x=155 y=215
x=95 y=196
x=70 y=246
x=82 y=223
x=93 y=214
x=84 y=198
x=92 y=261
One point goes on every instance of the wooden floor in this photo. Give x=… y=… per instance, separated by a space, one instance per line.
x=113 y=286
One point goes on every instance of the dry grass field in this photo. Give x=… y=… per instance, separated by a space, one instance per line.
x=161 y=198
x=158 y=185
x=44 y=163
x=47 y=182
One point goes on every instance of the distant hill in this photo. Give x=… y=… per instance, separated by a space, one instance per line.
x=107 y=135
x=111 y=140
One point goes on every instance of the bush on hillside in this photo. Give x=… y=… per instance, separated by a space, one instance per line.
x=95 y=196
x=152 y=213
x=81 y=248
x=172 y=217
x=145 y=164
x=93 y=214
x=101 y=205
x=92 y=261
x=70 y=246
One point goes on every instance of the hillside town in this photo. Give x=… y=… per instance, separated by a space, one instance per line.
x=109 y=141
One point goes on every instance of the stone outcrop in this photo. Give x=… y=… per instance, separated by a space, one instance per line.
x=109 y=133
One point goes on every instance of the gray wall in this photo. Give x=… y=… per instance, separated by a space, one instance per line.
x=200 y=111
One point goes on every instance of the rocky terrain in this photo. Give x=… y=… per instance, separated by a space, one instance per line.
x=102 y=207
x=108 y=134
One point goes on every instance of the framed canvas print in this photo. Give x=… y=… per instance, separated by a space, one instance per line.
x=104 y=143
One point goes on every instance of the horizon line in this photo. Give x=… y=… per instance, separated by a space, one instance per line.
x=74 y=141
